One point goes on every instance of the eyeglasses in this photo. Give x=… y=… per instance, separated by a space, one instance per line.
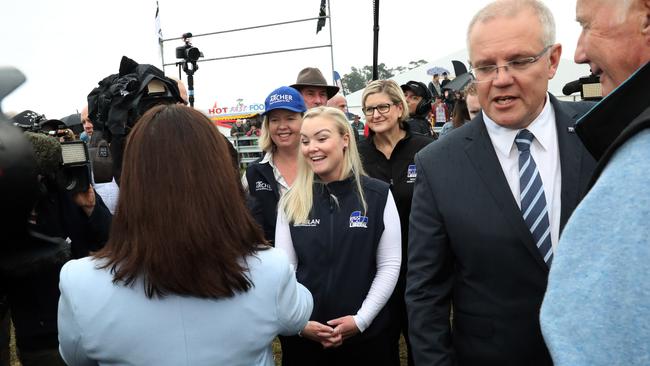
x=381 y=108
x=491 y=72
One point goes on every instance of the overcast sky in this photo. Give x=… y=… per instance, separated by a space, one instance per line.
x=65 y=47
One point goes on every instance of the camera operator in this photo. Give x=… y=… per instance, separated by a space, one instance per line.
x=62 y=225
x=120 y=99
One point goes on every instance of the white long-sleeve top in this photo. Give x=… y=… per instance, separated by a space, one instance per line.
x=389 y=258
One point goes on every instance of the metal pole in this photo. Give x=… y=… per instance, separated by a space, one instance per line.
x=245 y=28
x=375 y=49
x=329 y=15
x=256 y=54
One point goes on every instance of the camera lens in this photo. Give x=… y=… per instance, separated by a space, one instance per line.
x=193 y=53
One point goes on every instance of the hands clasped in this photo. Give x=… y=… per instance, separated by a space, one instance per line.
x=333 y=334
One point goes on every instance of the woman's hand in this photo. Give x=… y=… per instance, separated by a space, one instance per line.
x=344 y=326
x=322 y=334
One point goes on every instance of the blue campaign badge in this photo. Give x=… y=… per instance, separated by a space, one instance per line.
x=358 y=220
x=411 y=174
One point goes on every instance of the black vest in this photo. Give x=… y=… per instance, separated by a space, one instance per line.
x=264 y=194
x=337 y=249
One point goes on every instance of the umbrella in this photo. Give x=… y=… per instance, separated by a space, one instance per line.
x=459 y=67
x=459 y=82
x=73 y=122
x=437 y=70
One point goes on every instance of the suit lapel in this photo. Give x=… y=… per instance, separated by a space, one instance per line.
x=570 y=158
x=481 y=154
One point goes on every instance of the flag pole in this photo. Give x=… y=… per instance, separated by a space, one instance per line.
x=329 y=14
x=160 y=37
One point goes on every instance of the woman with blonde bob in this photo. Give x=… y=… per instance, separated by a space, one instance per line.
x=267 y=179
x=340 y=230
x=185 y=278
x=388 y=154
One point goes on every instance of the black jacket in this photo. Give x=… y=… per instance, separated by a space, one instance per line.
x=617 y=118
x=398 y=171
x=264 y=194
x=29 y=273
x=419 y=125
x=337 y=250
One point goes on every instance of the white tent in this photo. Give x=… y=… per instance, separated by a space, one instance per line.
x=567 y=71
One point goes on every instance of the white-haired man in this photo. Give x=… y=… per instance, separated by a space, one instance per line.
x=597 y=307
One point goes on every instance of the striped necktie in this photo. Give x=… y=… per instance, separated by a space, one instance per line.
x=533 y=200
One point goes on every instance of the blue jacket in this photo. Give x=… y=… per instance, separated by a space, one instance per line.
x=101 y=323
x=597 y=306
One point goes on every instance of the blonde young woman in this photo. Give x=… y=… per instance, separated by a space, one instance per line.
x=388 y=154
x=269 y=178
x=340 y=229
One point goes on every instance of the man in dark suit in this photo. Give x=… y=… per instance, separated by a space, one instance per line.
x=490 y=200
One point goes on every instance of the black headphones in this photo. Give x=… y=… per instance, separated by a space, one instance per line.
x=424 y=106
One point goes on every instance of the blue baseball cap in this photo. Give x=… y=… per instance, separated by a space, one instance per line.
x=285 y=97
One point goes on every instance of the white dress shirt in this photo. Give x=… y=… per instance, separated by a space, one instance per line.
x=544 y=151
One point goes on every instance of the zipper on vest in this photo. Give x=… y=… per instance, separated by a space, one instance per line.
x=330 y=246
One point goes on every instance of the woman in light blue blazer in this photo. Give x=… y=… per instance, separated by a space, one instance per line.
x=186 y=277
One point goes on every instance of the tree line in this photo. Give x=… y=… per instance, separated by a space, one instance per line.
x=358 y=78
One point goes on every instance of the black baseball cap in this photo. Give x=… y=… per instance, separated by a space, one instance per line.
x=416 y=87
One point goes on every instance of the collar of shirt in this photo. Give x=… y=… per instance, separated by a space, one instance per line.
x=268 y=158
x=503 y=138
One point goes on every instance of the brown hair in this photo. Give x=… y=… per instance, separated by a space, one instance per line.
x=181 y=225
x=461 y=114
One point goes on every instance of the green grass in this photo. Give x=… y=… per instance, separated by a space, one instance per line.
x=277 y=352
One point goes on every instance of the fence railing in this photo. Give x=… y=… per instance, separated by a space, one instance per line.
x=248 y=149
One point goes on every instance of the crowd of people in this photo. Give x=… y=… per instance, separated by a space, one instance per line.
x=514 y=235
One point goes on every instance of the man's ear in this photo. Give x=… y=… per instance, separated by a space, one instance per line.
x=554 y=57
x=646 y=23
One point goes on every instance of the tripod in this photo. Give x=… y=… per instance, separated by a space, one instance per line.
x=190 y=68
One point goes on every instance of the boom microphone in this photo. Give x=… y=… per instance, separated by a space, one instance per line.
x=572 y=87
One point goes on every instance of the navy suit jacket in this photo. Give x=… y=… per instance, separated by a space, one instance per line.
x=470 y=249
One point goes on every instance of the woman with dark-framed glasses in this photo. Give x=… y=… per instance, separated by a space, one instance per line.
x=388 y=154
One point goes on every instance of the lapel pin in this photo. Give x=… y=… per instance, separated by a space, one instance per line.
x=571 y=129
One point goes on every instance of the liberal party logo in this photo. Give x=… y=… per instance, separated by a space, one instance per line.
x=411 y=174
x=262 y=186
x=357 y=220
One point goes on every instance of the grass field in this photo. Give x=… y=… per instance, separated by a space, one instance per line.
x=277 y=352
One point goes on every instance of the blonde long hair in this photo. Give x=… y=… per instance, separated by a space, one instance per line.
x=299 y=200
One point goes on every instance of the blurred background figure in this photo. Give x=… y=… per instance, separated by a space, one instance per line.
x=440 y=112
x=211 y=294
x=459 y=117
x=357 y=127
x=340 y=229
x=471 y=99
x=338 y=101
x=434 y=85
x=418 y=99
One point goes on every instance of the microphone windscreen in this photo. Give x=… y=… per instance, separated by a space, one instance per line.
x=47 y=151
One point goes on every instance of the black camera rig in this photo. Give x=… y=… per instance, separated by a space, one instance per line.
x=59 y=158
x=189 y=56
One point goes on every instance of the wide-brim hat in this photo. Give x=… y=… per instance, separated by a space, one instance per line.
x=312 y=76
